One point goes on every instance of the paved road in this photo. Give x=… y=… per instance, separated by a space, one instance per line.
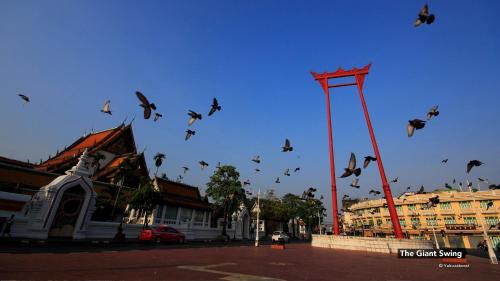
x=244 y=263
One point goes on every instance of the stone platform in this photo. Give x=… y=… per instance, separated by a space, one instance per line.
x=369 y=244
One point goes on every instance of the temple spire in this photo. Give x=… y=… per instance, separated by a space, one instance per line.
x=82 y=167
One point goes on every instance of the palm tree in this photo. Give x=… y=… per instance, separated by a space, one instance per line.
x=159 y=157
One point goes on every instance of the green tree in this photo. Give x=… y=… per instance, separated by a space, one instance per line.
x=291 y=205
x=145 y=198
x=96 y=158
x=159 y=157
x=225 y=189
x=310 y=211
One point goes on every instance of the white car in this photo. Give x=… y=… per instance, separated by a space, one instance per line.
x=280 y=235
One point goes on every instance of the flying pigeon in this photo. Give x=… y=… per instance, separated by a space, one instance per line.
x=492 y=186
x=395 y=180
x=189 y=133
x=375 y=192
x=193 y=116
x=287 y=146
x=421 y=190
x=408 y=188
x=145 y=104
x=415 y=124
x=203 y=164
x=185 y=169
x=179 y=178
x=26 y=99
x=287 y=172
x=248 y=193
x=106 y=107
x=257 y=170
x=157 y=116
x=277 y=180
x=444 y=161
x=433 y=201
x=309 y=194
x=215 y=107
x=345 y=196
x=432 y=112
x=296 y=169
x=447 y=185
x=424 y=16
x=481 y=179
x=473 y=163
x=354 y=183
x=368 y=159
x=247 y=182
x=351 y=168
x=256 y=159
x=402 y=194
x=489 y=205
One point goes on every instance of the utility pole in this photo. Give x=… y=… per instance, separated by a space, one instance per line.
x=491 y=252
x=258 y=224
x=434 y=230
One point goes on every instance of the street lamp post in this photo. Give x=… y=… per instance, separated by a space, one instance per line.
x=258 y=224
x=491 y=252
x=319 y=223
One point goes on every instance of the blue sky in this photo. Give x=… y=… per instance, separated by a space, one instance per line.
x=256 y=58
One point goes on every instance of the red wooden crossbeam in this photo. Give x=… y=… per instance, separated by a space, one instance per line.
x=340 y=72
x=342 y=85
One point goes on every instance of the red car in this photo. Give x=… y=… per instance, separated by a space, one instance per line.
x=162 y=233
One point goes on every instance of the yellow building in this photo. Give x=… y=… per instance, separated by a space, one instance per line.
x=456 y=220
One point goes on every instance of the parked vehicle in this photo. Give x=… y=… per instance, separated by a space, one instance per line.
x=162 y=233
x=280 y=235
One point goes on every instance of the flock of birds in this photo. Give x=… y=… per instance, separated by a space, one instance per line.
x=150 y=109
x=287 y=147
x=414 y=124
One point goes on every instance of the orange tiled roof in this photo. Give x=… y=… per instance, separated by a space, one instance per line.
x=89 y=142
x=178 y=189
x=15 y=162
x=113 y=165
x=181 y=194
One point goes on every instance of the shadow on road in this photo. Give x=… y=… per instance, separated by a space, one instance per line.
x=70 y=246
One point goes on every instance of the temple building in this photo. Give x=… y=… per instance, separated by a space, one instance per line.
x=181 y=204
x=114 y=166
x=457 y=220
x=82 y=193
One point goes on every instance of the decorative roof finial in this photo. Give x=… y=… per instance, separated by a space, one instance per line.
x=82 y=167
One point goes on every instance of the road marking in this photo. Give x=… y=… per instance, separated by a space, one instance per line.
x=231 y=276
x=279 y=263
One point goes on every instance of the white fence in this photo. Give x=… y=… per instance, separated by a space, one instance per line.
x=369 y=244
